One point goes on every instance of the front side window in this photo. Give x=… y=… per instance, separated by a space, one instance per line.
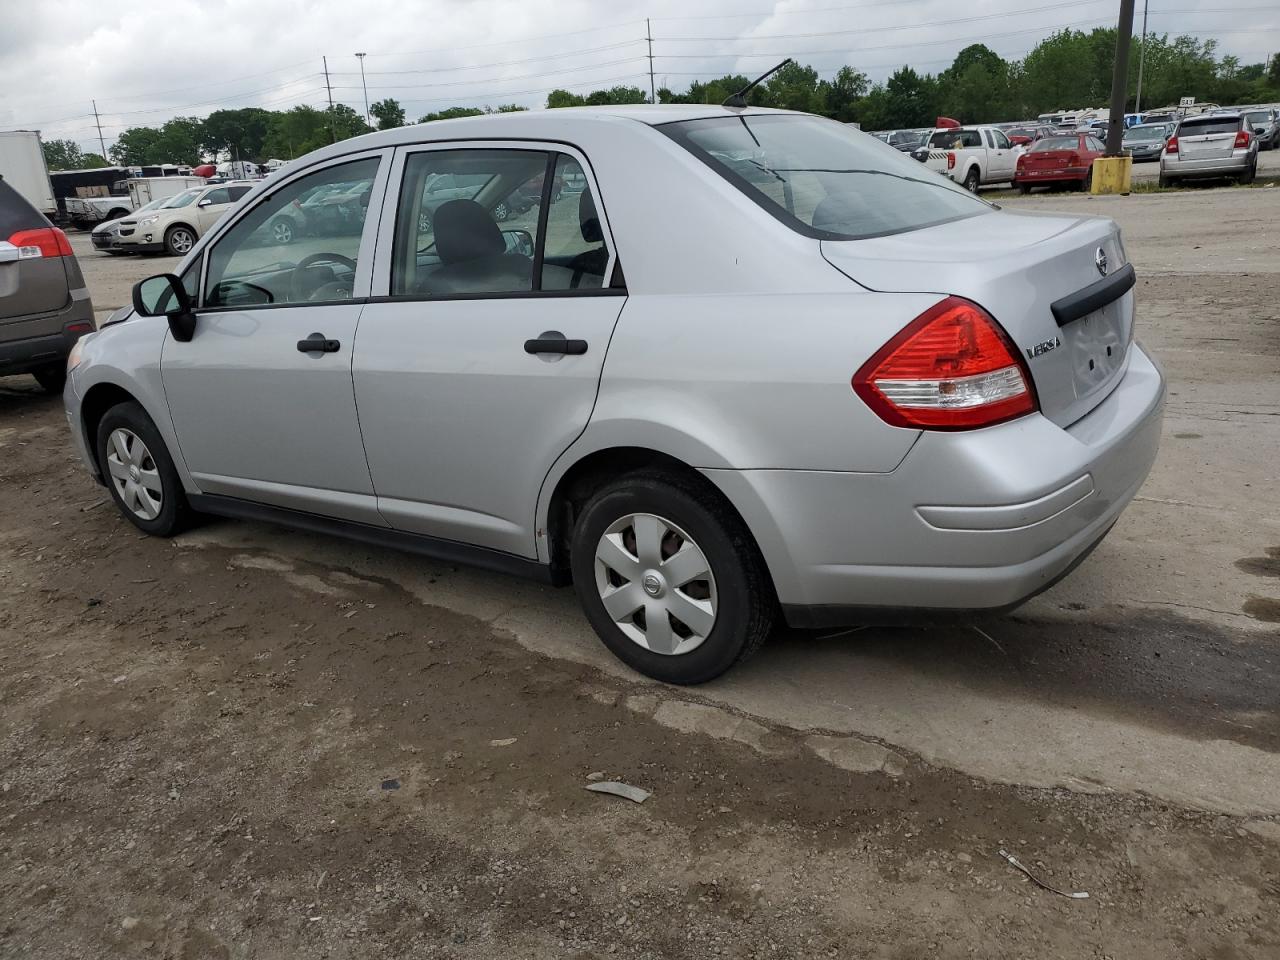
x=1002 y=142
x=468 y=222
x=822 y=178
x=299 y=243
x=220 y=195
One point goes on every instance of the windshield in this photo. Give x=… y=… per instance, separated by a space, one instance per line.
x=159 y=201
x=181 y=199
x=1145 y=133
x=824 y=179
x=907 y=137
x=1056 y=143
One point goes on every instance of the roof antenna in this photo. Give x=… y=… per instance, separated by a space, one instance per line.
x=739 y=99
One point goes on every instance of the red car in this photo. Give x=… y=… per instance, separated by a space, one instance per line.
x=1059 y=160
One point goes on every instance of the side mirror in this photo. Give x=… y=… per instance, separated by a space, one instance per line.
x=164 y=296
x=205 y=202
x=518 y=241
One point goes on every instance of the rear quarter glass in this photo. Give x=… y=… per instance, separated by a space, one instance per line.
x=16 y=213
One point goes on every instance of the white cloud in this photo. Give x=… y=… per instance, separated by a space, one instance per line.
x=144 y=63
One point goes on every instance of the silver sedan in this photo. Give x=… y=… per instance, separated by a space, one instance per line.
x=756 y=366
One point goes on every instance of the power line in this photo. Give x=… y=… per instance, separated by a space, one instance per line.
x=503 y=43
x=527 y=76
x=501 y=63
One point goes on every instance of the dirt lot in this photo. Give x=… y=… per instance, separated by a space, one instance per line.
x=248 y=742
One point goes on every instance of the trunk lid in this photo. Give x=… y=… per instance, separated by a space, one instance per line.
x=1210 y=146
x=1015 y=266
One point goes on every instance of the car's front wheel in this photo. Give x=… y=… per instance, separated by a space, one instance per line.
x=670 y=578
x=972 y=179
x=178 y=241
x=282 y=231
x=139 y=471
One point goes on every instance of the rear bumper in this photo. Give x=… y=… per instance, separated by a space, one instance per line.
x=47 y=350
x=1040 y=176
x=1237 y=163
x=968 y=521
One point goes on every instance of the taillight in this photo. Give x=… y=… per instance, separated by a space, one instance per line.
x=951 y=160
x=1242 y=139
x=1074 y=161
x=1171 y=146
x=952 y=368
x=44 y=242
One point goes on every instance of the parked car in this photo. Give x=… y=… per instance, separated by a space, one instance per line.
x=44 y=304
x=1145 y=141
x=1024 y=136
x=909 y=140
x=175 y=227
x=1210 y=145
x=972 y=156
x=328 y=210
x=953 y=413
x=106 y=235
x=1264 y=123
x=1059 y=161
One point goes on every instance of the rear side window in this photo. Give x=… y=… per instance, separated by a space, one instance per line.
x=1095 y=145
x=1203 y=126
x=822 y=178
x=238 y=192
x=16 y=213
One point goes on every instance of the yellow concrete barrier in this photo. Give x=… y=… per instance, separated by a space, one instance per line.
x=1111 y=175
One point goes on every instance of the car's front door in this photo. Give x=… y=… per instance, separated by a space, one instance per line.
x=480 y=365
x=1003 y=159
x=215 y=203
x=261 y=396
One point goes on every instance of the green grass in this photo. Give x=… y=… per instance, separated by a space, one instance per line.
x=1151 y=186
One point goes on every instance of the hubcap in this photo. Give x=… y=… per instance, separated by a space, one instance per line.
x=182 y=241
x=284 y=233
x=656 y=584
x=134 y=474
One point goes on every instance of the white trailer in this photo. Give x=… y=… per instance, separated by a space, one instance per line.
x=140 y=191
x=23 y=168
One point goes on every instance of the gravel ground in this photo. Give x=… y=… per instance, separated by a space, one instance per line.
x=248 y=743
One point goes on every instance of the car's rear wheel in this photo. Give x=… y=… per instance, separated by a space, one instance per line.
x=282 y=231
x=670 y=578
x=1087 y=183
x=1249 y=174
x=1166 y=181
x=51 y=379
x=1024 y=188
x=972 y=179
x=178 y=241
x=139 y=471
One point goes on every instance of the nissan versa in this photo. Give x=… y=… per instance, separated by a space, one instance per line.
x=758 y=367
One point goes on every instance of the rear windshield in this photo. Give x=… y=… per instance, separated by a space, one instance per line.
x=16 y=213
x=1203 y=126
x=824 y=179
x=1056 y=143
x=955 y=139
x=1145 y=133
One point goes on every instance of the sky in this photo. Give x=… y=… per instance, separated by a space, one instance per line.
x=144 y=62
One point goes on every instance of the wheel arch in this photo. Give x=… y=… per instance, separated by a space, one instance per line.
x=574 y=480
x=97 y=400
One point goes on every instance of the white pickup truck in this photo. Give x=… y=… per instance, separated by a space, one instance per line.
x=971 y=156
x=136 y=192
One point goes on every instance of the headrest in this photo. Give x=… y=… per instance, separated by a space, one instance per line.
x=465 y=231
x=588 y=219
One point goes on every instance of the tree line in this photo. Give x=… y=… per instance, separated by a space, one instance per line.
x=1067 y=70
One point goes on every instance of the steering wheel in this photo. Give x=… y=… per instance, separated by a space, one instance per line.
x=300 y=283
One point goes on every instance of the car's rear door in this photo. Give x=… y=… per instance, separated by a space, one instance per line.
x=33 y=279
x=1207 y=138
x=261 y=396
x=479 y=363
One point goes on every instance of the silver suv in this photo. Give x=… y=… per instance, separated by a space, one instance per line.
x=1210 y=145
x=753 y=365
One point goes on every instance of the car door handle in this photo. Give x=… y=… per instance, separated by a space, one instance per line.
x=317 y=343
x=545 y=344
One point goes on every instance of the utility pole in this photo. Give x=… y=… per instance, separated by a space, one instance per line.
x=648 y=35
x=368 y=122
x=333 y=136
x=1142 y=58
x=1120 y=79
x=102 y=143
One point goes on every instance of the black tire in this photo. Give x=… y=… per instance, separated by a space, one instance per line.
x=746 y=606
x=175 y=513
x=283 y=230
x=173 y=244
x=1087 y=183
x=117 y=213
x=1247 y=177
x=972 y=179
x=1166 y=181
x=51 y=379
x=1023 y=188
